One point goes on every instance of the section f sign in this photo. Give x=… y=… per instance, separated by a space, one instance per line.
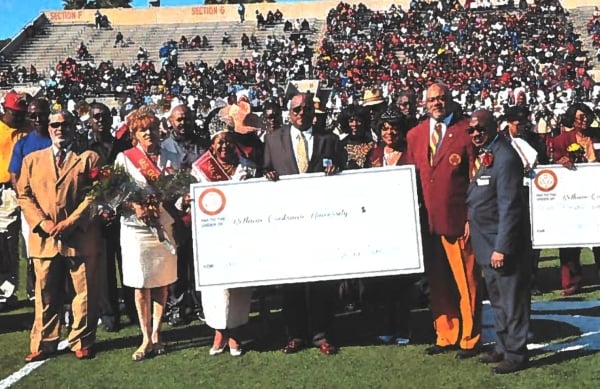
x=211 y=201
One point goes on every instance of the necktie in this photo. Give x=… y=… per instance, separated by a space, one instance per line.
x=301 y=153
x=476 y=167
x=436 y=135
x=60 y=158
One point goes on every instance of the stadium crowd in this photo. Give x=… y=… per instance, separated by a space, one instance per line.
x=502 y=79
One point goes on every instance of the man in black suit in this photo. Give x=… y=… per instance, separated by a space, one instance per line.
x=295 y=149
x=496 y=210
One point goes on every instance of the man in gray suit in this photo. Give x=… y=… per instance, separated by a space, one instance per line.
x=295 y=149
x=496 y=210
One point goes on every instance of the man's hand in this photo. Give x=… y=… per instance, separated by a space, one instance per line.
x=46 y=226
x=60 y=229
x=330 y=170
x=272 y=175
x=497 y=260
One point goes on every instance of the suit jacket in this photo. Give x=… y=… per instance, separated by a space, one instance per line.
x=443 y=184
x=496 y=206
x=564 y=140
x=279 y=152
x=45 y=194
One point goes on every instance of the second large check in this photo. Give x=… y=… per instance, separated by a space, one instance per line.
x=306 y=228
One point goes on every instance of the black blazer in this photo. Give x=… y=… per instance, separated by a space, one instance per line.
x=496 y=206
x=279 y=152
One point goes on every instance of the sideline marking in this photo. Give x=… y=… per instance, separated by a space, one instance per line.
x=24 y=371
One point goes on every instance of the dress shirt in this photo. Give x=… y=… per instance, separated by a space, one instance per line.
x=308 y=136
x=445 y=123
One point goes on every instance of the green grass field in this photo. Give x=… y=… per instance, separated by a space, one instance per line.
x=361 y=362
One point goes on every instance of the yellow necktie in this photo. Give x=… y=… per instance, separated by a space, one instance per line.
x=434 y=140
x=301 y=153
x=476 y=167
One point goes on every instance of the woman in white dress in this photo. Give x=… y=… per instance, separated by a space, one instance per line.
x=149 y=265
x=225 y=309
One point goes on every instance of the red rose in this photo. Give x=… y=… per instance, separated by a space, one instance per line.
x=487 y=159
x=94 y=173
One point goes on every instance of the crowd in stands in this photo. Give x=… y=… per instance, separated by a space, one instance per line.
x=523 y=65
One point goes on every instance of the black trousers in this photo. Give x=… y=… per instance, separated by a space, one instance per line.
x=308 y=310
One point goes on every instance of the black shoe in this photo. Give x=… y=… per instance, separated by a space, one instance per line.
x=110 y=324
x=491 y=357
x=508 y=366
x=435 y=349
x=536 y=292
x=175 y=319
x=466 y=354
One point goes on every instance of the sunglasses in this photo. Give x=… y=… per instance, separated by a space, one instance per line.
x=404 y=104
x=57 y=124
x=181 y=119
x=35 y=116
x=98 y=117
x=297 y=110
x=472 y=129
x=270 y=117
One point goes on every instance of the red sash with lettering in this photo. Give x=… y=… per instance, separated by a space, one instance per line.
x=140 y=160
x=210 y=168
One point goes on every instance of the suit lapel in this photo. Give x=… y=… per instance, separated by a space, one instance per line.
x=70 y=163
x=287 y=148
x=317 y=152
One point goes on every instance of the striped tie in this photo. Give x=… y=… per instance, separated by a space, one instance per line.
x=434 y=141
x=301 y=153
x=60 y=158
x=476 y=167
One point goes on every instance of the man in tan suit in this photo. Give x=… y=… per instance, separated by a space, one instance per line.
x=51 y=192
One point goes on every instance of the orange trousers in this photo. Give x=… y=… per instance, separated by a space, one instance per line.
x=455 y=300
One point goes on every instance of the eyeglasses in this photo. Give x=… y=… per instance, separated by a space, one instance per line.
x=472 y=129
x=301 y=108
x=439 y=98
x=57 y=124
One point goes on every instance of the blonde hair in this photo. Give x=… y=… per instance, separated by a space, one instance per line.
x=141 y=118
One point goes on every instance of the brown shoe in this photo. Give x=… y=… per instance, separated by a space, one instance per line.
x=293 y=346
x=491 y=357
x=36 y=356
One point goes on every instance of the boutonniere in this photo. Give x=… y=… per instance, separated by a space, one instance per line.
x=486 y=158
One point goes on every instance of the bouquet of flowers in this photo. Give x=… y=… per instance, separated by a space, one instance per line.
x=164 y=188
x=111 y=186
x=576 y=153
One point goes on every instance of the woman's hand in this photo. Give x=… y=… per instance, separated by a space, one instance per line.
x=566 y=162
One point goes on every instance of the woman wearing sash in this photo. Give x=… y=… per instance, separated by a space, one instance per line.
x=225 y=310
x=149 y=265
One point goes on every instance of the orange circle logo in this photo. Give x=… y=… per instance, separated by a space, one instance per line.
x=211 y=201
x=545 y=180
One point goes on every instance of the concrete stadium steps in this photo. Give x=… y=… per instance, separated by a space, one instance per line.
x=580 y=17
x=61 y=41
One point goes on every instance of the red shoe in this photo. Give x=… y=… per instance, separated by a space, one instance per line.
x=327 y=349
x=293 y=346
x=37 y=356
x=84 y=353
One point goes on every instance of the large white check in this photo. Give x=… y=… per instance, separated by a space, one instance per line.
x=306 y=227
x=565 y=206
